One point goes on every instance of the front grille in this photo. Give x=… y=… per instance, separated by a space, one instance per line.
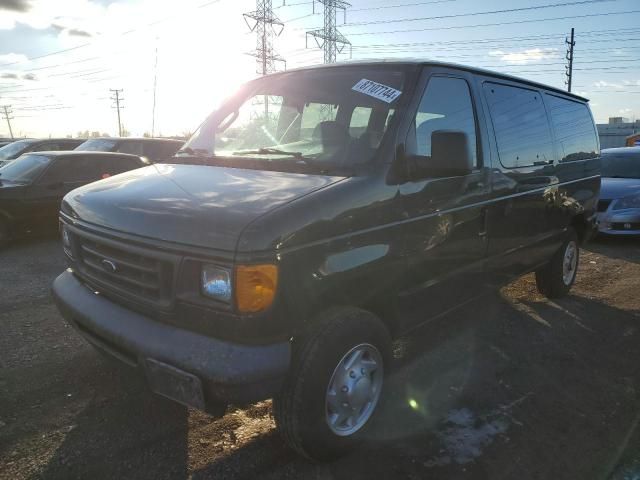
x=625 y=226
x=603 y=205
x=124 y=270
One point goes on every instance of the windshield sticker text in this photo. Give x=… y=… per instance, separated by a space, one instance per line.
x=376 y=90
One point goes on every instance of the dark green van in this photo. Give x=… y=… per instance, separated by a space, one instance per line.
x=314 y=217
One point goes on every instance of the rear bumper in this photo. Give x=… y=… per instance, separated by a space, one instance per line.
x=224 y=372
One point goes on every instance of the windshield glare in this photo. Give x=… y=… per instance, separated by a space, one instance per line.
x=98 y=145
x=14 y=149
x=313 y=116
x=621 y=166
x=25 y=169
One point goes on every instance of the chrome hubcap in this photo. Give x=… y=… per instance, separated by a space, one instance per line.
x=570 y=262
x=354 y=390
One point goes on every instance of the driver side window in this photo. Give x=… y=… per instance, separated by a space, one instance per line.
x=445 y=105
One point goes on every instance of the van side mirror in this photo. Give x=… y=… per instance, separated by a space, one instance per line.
x=450 y=157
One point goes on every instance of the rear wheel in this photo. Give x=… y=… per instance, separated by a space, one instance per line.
x=334 y=386
x=558 y=276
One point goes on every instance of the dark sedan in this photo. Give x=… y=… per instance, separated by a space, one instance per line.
x=153 y=149
x=13 y=150
x=619 y=206
x=32 y=186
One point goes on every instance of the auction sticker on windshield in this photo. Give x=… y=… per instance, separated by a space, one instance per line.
x=376 y=90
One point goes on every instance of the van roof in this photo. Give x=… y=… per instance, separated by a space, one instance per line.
x=425 y=62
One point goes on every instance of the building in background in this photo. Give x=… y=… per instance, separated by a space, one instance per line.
x=616 y=132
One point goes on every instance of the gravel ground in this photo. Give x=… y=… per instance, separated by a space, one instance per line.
x=512 y=386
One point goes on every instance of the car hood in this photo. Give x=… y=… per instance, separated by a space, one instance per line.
x=613 y=188
x=190 y=204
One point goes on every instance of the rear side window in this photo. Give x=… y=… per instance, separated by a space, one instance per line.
x=132 y=147
x=520 y=124
x=73 y=169
x=573 y=126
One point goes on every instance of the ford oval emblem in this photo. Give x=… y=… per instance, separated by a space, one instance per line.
x=109 y=266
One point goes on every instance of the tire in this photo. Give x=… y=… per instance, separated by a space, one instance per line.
x=302 y=409
x=555 y=279
x=4 y=234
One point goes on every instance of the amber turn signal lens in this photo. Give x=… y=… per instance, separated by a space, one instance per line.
x=255 y=287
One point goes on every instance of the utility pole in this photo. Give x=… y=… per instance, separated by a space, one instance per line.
x=266 y=25
x=329 y=38
x=7 y=116
x=569 y=68
x=117 y=98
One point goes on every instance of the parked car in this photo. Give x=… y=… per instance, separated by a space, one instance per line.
x=32 y=186
x=13 y=150
x=278 y=255
x=5 y=141
x=154 y=149
x=619 y=205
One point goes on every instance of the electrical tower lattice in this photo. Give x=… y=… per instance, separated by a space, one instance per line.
x=329 y=38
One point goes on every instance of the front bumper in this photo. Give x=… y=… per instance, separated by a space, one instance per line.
x=190 y=368
x=619 y=222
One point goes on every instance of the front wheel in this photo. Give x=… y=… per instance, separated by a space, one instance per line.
x=558 y=276
x=334 y=386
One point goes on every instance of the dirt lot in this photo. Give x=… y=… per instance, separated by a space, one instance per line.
x=513 y=386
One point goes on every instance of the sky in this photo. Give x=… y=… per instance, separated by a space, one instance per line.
x=59 y=60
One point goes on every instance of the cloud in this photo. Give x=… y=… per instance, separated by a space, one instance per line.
x=632 y=83
x=29 y=76
x=12 y=58
x=76 y=32
x=525 y=56
x=72 y=32
x=15 y=5
x=625 y=111
x=605 y=84
x=12 y=76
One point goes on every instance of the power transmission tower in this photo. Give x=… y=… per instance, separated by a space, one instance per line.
x=569 y=68
x=7 y=116
x=266 y=25
x=117 y=98
x=329 y=38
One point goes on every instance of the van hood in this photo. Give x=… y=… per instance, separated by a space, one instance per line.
x=195 y=205
x=613 y=188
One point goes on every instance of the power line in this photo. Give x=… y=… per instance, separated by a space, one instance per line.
x=496 y=24
x=473 y=14
x=400 y=5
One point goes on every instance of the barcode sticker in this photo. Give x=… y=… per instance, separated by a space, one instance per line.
x=376 y=90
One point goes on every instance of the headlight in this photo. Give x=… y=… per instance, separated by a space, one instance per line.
x=216 y=283
x=627 y=202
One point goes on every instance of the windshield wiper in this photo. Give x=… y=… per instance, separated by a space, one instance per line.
x=271 y=151
x=192 y=151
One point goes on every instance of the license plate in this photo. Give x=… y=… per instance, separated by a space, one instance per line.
x=175 y=384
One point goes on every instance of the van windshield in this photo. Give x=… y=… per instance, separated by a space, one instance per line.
x=329 y=117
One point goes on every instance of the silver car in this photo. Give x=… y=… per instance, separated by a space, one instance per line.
x=619 y=206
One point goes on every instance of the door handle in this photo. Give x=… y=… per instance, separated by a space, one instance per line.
x=483 y=223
